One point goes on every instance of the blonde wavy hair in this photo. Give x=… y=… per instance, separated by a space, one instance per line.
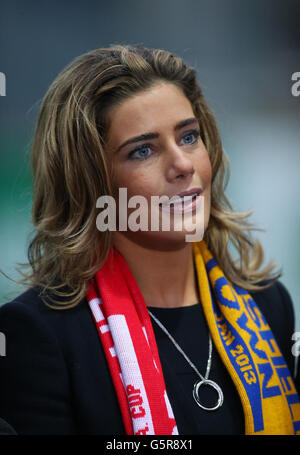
x=71 y=171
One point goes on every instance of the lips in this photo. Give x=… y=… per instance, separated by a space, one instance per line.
x=190 y=192
x=183 y=201
x=184 y=195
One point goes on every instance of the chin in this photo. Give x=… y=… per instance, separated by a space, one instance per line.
x=160 y=241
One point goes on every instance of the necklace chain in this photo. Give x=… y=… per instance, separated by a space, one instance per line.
x=204 y=380
x=183 y=353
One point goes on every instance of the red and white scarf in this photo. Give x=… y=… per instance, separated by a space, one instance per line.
x=126 y=333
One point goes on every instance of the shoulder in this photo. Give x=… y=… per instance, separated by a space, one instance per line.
x=44 y=351
x=54 y=378
x=24 y=318
x=276 y=305
x=32 y=328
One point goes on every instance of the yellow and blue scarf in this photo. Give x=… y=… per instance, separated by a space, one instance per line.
x=249 y=351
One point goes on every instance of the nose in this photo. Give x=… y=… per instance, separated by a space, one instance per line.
x=179 y=163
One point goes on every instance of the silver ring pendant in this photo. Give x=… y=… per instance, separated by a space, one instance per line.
x=215 y=386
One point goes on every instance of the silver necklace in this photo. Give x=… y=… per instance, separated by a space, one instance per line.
x=203 y=380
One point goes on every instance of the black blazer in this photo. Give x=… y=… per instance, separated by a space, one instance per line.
x=54 y=378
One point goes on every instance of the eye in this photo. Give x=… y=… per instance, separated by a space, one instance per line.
x=140 y=153
x=191 y=137
x=143 y=152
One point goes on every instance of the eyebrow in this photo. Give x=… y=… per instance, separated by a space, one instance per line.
x=148 y=136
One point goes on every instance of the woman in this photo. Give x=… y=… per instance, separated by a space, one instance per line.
x=140 y=331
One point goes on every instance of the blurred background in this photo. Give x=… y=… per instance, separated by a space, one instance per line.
x=245 y=53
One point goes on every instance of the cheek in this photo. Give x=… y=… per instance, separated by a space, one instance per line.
x=204 y=170
x=137 y=183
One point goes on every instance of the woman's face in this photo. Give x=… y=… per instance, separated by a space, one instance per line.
x=169 y=158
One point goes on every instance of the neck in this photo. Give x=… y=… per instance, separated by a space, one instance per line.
x=166 y=278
